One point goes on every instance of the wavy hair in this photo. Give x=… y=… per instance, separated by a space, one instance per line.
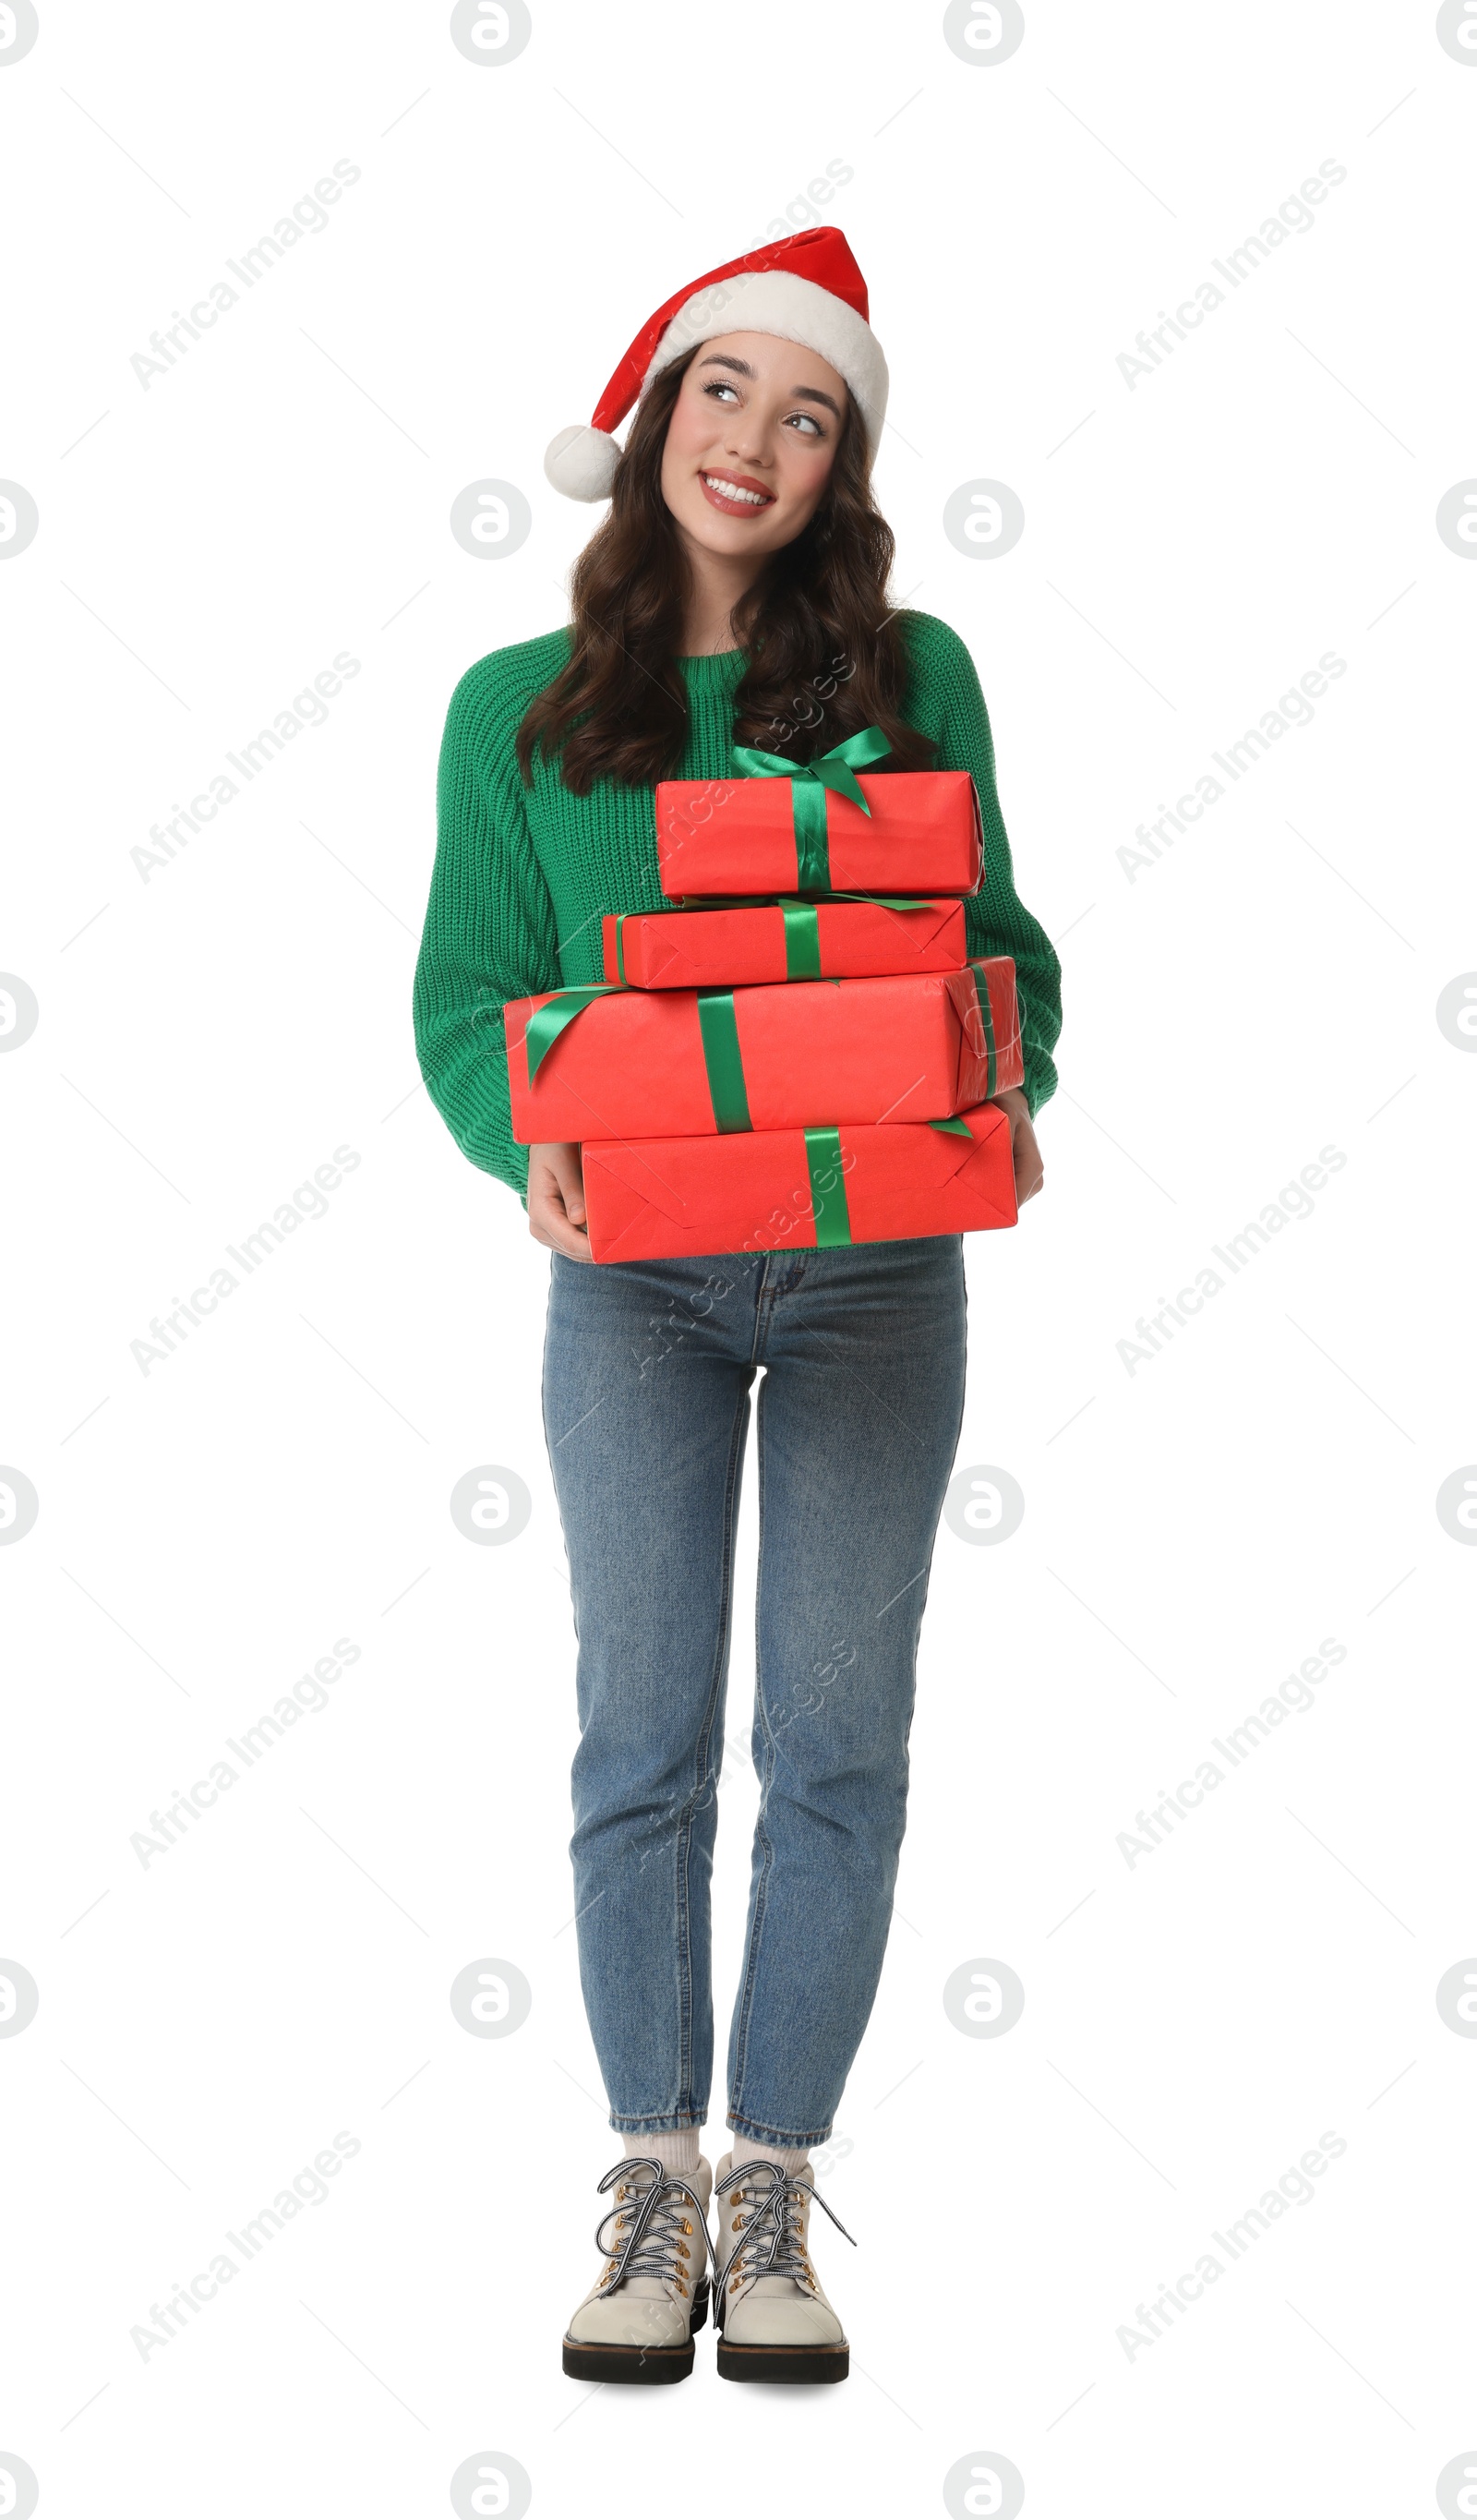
x=826 y=653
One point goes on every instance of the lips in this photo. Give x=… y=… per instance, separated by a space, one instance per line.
x=736 y=494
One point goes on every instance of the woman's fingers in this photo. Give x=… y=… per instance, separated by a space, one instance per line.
x=1030 y=1171
x=556 y=1200
x=1025 y=1155
x=569 y=1172
x=549 y=1224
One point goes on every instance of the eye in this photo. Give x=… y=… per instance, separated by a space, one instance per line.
x=806 y=422
x=721 y=386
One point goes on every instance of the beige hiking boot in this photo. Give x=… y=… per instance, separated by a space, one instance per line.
x=636 y=2323
x=774 y=2322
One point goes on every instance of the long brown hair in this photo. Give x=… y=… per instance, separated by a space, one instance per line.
x=826 y=655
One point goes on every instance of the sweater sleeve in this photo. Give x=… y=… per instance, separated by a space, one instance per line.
x=951 y=709
x=490 y=930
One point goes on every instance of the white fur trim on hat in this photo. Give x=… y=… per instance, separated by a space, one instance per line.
x=793 y=309
x=581 y=462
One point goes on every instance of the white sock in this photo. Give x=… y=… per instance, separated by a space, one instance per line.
x=676 y=2151
x=790 y=2162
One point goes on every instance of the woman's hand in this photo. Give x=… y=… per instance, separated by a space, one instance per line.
x=1025 y=1153
x=556 y=1200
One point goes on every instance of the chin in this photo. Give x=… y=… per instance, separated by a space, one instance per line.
x=732 y=541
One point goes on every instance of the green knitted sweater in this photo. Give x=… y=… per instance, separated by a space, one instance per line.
x=523 y=874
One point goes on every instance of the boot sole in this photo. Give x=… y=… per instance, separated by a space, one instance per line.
x=801 y=2365
x=639 y=2365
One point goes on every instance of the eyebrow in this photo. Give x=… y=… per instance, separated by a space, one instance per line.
x=800 y=393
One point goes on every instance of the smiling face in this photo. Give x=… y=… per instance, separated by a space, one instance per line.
x=750 y=443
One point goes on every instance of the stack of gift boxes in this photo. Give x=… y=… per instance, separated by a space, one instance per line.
x=802 y=1056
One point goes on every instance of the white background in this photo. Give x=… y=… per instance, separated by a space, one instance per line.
x=1194 y=1528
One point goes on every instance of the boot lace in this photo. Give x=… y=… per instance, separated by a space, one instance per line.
x=773 y=2225
x=649 y=2225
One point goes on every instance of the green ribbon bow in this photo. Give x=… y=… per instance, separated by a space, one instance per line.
x=548 y=1020
x=809 y=782
x=716 y=1022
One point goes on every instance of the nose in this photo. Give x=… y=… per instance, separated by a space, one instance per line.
x=749 y=440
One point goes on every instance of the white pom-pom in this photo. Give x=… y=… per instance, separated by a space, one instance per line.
x=581 y=462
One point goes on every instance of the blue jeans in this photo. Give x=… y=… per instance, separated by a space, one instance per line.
x=647 y=1375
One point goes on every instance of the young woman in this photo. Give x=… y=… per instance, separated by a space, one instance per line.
x=735 y=593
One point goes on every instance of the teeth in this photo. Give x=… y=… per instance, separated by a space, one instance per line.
x=730 y=490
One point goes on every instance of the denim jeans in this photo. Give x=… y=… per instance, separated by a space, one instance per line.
x=647 y=1375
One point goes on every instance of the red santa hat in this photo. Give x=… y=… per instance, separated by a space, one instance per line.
x=805 y=288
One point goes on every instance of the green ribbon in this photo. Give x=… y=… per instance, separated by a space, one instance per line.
x=828 y=1189
x=548 y=1020
x=982 y=995
x=809 y=782
x=802 y=932
x=891 y=900
x=717 y=1024
x=955 y=1127
x=723 y=1059
x=802 y=928
x=802 y=940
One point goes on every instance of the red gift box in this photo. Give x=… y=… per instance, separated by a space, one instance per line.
x=792 y=940
x=921 y=834
x=611 y=1062
x=668 y=1198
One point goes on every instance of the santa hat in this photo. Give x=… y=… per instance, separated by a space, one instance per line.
x=806 y=289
